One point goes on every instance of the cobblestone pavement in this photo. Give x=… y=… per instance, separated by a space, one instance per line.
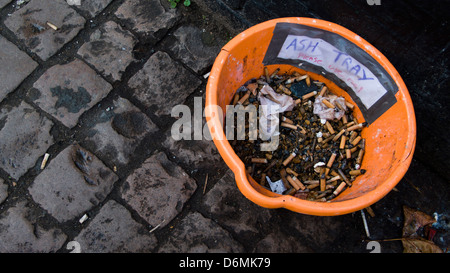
x=96 y=95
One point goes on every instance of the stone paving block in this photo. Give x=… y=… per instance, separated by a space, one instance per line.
x=197 y=234
x=3 y=190
x=116 y=130
x=15 y=66
x=29 y=24
x=147 y=17
x=67 y=91
x=162 y=83
x=114 y=231
x=195 y=47
x=93 y=7
x=20 y=233
x=319 y=231
x=4 y=3
x=109 y=50
x=158 y=190
x=24 y=137
x=229 y=206
x=72 y=183
x=278 y=242
x=198 y=151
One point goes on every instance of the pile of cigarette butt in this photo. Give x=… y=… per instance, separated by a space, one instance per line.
x=316 y=158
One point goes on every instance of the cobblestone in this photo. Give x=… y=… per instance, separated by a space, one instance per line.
x=197 y=234
x=4 y=3
x=158 y=190
x=116 y=130
x=29 y=23
x=15 y=66
x=233 y=210
x=147 y=17
x=113 y=230
x=67 y=91
x=72 y=183
x=195 y=47
x=162 y=83
x=94 y=7
x=24 y=137
x=20 y=232
x=109 y=49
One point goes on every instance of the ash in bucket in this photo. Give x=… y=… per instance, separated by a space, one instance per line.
x=320 y=148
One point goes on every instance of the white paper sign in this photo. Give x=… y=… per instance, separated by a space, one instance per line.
x=321 y=53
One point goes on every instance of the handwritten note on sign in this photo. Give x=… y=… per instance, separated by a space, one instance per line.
x=321 y=53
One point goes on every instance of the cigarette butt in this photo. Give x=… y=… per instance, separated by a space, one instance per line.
x=309 y=95
x=292 y=182
x=266 y=72
x=83 y=219
x=275 y=73
x=339 y=189
x=356 y=141
x=259 y=160
x=329 y=127
x=343 y=139
x=244 y=98
x=284 y=90
x=273 y=163
x=323 y=90
x=302 y=129
x=252 y=87
x=322 y=183
x=294 y=79
x=341 y=173
x=349 y=105
x=296 y=181
x=340 y=106
x=334 y=173
x=351 y=123
x=308 y=81
x=52 y=26
x=331 y=160
x=370 y=211
x=288 y=125
x=236 y=98
x=290 y=171
x=283 y=178
x=334 y=178
x=352 y=137
x=357 y=126
x=348 y=153
x=328 y=104
x=289 y=159
x=263 y=179
x=285 y=119
x=357 y=172
x=328 y=139
x=297 y=101
x=344 y=119
x=44 y=161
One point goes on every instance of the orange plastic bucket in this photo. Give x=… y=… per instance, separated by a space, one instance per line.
x=390 y=139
